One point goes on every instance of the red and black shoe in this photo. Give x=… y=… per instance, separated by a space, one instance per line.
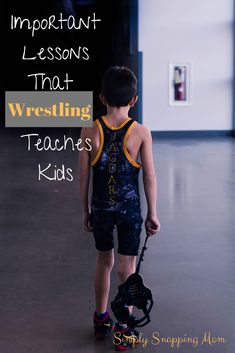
x=102 y=327
x=125 y=338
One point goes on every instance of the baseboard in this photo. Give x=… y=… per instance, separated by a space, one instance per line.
x=193 y=133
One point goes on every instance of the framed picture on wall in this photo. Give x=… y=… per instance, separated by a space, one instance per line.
x=180 y=81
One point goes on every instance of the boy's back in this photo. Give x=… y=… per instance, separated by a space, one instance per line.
x=117 y=144
x=115 y=194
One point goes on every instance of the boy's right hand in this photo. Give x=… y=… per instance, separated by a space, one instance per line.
x=86 y=221
x=152 y=225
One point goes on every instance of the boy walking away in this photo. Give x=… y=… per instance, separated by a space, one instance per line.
x=117 y=143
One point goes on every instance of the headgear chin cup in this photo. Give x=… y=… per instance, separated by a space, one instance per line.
x=133 y=292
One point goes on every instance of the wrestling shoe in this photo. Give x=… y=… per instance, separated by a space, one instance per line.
x=102 y=326
x=125 y=338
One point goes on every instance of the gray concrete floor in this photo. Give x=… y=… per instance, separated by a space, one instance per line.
x=47 y=262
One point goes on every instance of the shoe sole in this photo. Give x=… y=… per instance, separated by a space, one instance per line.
x=123 y=349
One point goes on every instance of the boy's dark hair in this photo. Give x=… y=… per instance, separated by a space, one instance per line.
x=119 y=86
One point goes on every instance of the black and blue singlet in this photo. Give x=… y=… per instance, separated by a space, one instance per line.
x=115 y=196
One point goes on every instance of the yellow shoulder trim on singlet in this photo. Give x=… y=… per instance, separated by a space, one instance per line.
x=93 y=162
x=115 y=127
x=135 y=164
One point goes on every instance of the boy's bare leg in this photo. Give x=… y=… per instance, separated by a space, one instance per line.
x=104 y=265
x=126 y=266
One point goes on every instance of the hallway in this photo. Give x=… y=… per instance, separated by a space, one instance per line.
x=47 y=261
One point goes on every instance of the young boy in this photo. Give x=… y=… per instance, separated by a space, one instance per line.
x=117 y=143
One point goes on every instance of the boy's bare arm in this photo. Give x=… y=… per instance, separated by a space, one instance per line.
x=150 y=182
x=84 y=178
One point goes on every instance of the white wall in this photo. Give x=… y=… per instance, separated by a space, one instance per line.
x=199 y=31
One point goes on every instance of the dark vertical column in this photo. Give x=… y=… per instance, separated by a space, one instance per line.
x=234 y=68
x=140 y=87
x=133 y=27
x=133 y=51
x=133 y=47
x=121 y=38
